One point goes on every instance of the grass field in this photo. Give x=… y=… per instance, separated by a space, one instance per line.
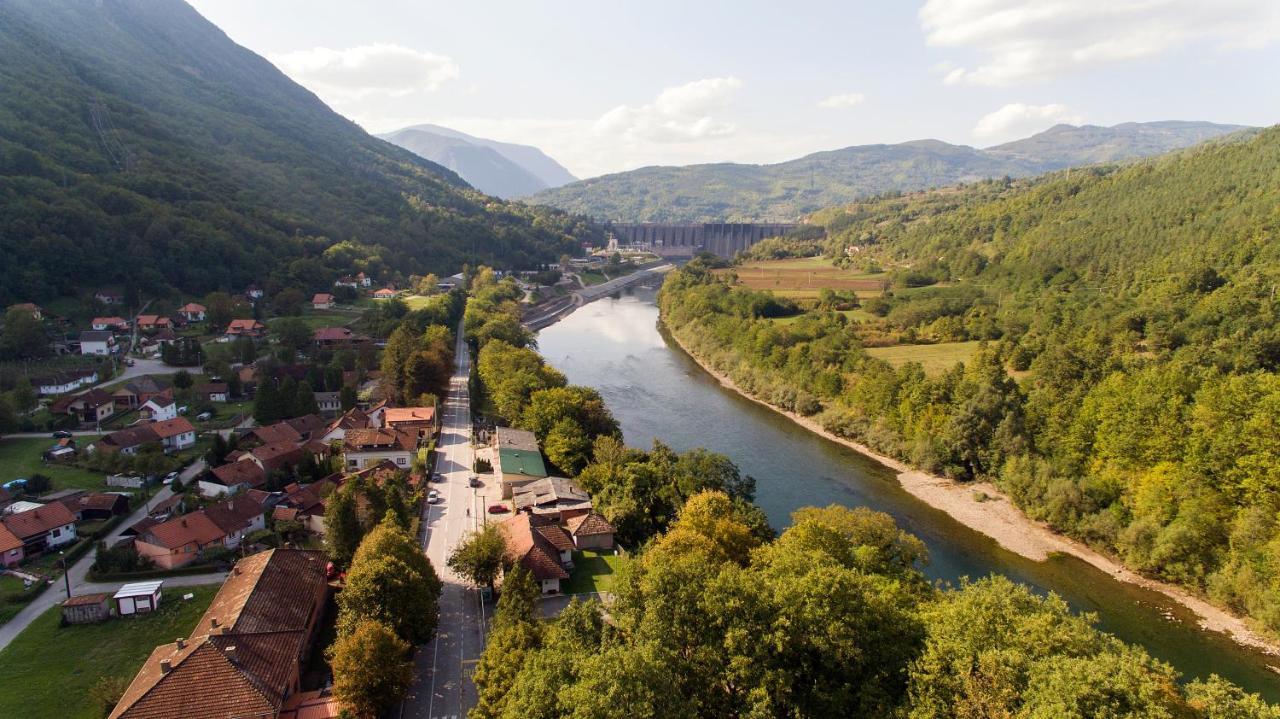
x=935 y=358
x=49 y=669
x=858 y=315
x=416 y=302
x=802 y=278
x=20 y=457
x=318 y=318
x=592 y=572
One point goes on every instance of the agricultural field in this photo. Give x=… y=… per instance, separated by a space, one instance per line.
x=802 y=278
x=935 y=358
x=50 y=670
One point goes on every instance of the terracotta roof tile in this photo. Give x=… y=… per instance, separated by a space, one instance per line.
x=588 y=524
x=194 y=528
x=34 y=522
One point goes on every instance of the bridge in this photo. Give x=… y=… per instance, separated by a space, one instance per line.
x=548 y=313
x=725 y=239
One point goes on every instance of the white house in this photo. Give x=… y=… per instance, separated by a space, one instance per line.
x=322 y=301
x=97 y=342
x=65 y=382
x=364 y=448
x=192 y=312
x=158 y=410
x=175 y=434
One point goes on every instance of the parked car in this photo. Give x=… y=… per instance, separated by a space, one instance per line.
x=204 y=416
x=128 y=363
x=437 y=477
x=182 y=409
x=433 y=497
x=499 y=509
x=62 y=434
x=168 y=478
x=473 y=481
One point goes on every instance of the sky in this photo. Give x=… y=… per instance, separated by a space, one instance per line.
x=611 y=85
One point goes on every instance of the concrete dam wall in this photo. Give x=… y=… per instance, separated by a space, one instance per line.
x=725 y=239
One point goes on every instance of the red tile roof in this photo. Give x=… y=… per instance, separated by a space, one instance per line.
x=192 y=307
x=84 y=599
x=396 y=415
x=531 y=549
x=40 y=520
x=194 y=528
x=332 y=334
x=240 y=472
x=172 y=427
x=8 y=540
x=588 y=524
x=322 y=298
x=232 y=515
x=369 y=440
x=276 y=433
x=131 y=437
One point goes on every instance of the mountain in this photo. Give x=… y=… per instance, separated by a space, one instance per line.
x=140 y=146
x=789 y=190
x=502 y=169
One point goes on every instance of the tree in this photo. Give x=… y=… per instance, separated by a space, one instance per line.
x=479 y=557
x=288 y=396
x=182 y=380
x=391 y=581
x=347 y=396
x=22 y=335
x=515 y=634
x=304 y=401
x=268 y=406
x=24 y=396
x=342 y=528
x=288 y=302
x=219 y=309
x=292 y=332
x=372 y=668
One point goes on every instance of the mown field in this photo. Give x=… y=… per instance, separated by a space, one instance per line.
x=20 y=458
x=935 y=358
x=802 y=278
x=49 y=670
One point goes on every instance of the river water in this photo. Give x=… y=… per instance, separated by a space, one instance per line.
x=657 y=392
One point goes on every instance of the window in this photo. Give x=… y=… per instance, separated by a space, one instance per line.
x=56 y=533
x=401 y=461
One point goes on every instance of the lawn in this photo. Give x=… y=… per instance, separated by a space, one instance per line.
x=318 y=318
x=935 y=358
x=417 y=302
x=592 y=277
x=20 y=457
x=592 y=572
x=49 y=669
x=224 y=412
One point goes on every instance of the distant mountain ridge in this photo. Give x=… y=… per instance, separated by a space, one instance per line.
x=503 y=169
x=789 y=190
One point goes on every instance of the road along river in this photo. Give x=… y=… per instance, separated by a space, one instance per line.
x=658 y=392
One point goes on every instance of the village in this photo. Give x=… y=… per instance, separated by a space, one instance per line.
x=189 y=467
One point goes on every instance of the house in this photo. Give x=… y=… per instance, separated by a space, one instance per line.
x=386 y=293
x=69 y=498
x=451 y=282
x=590 y=531
x=254 y=293
x=128 y=440
x=101 y=505
x=329 y=337
x=111 y=324
x=306 y=504
x=109 y=297
x=158 y=409
x=364 y=280
x=354 y=418
x=30 y=308
x=154 y=323
x=553 y=497
x=138 y=391
x=179 y=541
x=213 y=392
x=519 y=459
x=322 y=301
x=422 y=421
x=193 y=312
x=330 y=403
x=237 y=517
x=92 y=406
x=244 y=658
x=45 y=527
x=138 y=597
x=11 y=554
x=542 y=549
x=175 y=434
x=97 y=342
x=346 y=281
x=87 y=609
x=231 y=477
x=366 y=447
x=63 y=382
x=252 y=329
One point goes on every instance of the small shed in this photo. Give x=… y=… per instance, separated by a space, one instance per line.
x=87 y=609
x=138 y=598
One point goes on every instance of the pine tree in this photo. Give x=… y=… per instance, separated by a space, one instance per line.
x=266 y=403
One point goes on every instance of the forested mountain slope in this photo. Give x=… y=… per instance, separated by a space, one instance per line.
x=138 y=144
x=1137 y=309
x=788 y=190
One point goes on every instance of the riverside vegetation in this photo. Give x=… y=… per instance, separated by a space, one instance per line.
x=1136 y=306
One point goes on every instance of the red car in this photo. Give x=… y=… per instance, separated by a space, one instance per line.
x=498 y=509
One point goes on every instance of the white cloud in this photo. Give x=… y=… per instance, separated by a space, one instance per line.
x=684 y=113
x=357 y=72
x=848 y=99
x=1028 y=40
x=1019 y=120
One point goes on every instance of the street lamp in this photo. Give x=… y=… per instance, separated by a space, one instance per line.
x=66 y=575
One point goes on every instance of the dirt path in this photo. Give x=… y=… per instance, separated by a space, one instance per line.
x=981 y=506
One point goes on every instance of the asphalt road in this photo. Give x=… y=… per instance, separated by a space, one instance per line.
x=442 y=686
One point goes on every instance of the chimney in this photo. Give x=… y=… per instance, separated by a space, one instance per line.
x=213 y=622
x=182 y=643
x=227 y=630
x=165 y=666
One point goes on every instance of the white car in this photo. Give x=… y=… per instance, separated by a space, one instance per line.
x=433 y=497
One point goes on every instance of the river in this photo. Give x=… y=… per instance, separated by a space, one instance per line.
x=657 y=392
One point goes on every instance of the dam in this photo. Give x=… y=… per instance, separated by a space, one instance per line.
x=725 y=239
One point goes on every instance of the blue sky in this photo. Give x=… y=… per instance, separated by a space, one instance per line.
x=606 y=86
